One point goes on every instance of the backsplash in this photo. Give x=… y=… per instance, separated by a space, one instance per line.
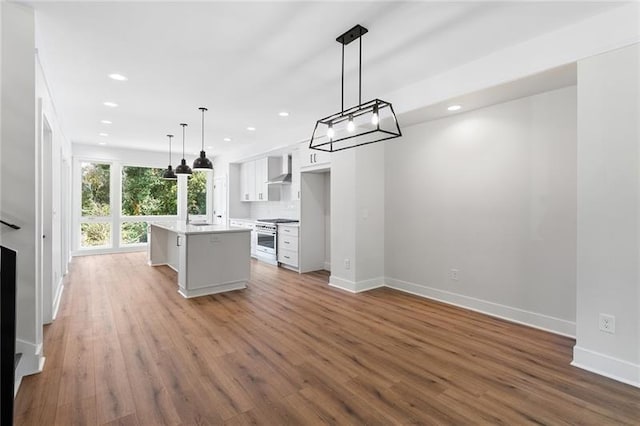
x=275 y=209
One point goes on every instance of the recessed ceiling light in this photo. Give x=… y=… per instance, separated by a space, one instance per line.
x=102 y=143
x=454 y=107
x=105 y=121
x=110 y=104
x=103 y=134
x=118 y=77
x=251 y=129
x=283 y=114
x=210 y=147
x=227 y=139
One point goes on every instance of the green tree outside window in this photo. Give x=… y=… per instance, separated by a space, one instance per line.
x=197 y=193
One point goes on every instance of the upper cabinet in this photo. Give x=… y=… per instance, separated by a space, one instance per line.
x=295 y=175
x=254 y=176
x=311 y=159
x=248 y=181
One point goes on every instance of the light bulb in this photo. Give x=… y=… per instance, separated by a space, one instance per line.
x=351 y=125
x=330 y=132
x=374 y=118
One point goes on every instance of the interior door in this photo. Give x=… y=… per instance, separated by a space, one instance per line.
x=47 y=215
x=220 y=200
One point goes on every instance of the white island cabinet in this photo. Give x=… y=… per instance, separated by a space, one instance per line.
x=209 y=259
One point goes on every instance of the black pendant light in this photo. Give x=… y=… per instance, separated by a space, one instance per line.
x=183 y=168
x=202 y=162
x=365 y=123
x=169 y=173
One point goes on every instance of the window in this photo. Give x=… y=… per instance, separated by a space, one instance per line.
x=96 y=179
x=133 y=233
x=197 y=193
x=145 y=193
x=95 y=223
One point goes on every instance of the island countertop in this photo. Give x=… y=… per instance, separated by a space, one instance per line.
x=181 y=227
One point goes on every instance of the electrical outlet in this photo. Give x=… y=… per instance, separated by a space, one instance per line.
x=453 y=274
x=347 y=264
x=607 y=323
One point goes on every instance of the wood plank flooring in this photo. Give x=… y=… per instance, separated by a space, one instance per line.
x=127 y=349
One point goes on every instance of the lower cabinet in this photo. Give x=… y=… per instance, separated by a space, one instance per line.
x=288 y=246
x=248 y=224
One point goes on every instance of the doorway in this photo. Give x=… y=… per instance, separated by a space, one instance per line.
x=220 y=200
x=46 y=184
x=315 y=220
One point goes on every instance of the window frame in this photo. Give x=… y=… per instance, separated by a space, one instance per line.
x=116 y=218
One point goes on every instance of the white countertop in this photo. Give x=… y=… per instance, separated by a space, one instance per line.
x=293 y=224
x=182 y=228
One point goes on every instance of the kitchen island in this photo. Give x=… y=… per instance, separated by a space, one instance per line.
x=209 y=259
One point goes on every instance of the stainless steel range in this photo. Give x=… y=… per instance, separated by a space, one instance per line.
x=267 y=244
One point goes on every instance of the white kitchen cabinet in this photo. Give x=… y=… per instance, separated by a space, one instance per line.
x=248 y=181
x=254 y=176
x=311 y=159
x=288 y=246
x=295 y=175
x=208 y=259
x=247 y=224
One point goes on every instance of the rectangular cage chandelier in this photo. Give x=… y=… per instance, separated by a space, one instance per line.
x=365 y=123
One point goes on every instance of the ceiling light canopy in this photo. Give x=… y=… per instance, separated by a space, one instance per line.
x=169 y=174
x=365 y=123
x=183 y=168
x=202 y=162
x=118 y=77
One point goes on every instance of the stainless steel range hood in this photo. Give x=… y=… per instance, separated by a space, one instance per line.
x=285 y=177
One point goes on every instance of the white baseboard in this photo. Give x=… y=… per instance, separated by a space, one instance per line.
x=520 y=316
x=32 y=361
x=608 y=366
x=327 y=266
x=356 y=286
x=214 y=289
x=92 y=252
x=57 y=298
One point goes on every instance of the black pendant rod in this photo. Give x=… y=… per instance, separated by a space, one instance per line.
x=353 y=34
x=359 y=74
x=203 y=109
x=342 y=92
x=169 y=136
x=184 y=125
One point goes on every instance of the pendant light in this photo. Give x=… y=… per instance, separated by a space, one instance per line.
x=202 y=162
x=169 y=174
x=183 y=168
x=365 y=123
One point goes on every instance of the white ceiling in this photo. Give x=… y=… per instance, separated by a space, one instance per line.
x=248 y=61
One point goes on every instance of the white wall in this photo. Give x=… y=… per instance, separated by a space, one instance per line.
x=490 y=193
x=357 y=218
x=19 y=189
x=609 y=213
x=56 y=222
x=343 y=218
x=327 y=221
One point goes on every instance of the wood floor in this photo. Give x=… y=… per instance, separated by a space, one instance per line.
x=127 y=349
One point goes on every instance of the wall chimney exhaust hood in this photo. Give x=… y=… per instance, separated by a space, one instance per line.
x=285 y=177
